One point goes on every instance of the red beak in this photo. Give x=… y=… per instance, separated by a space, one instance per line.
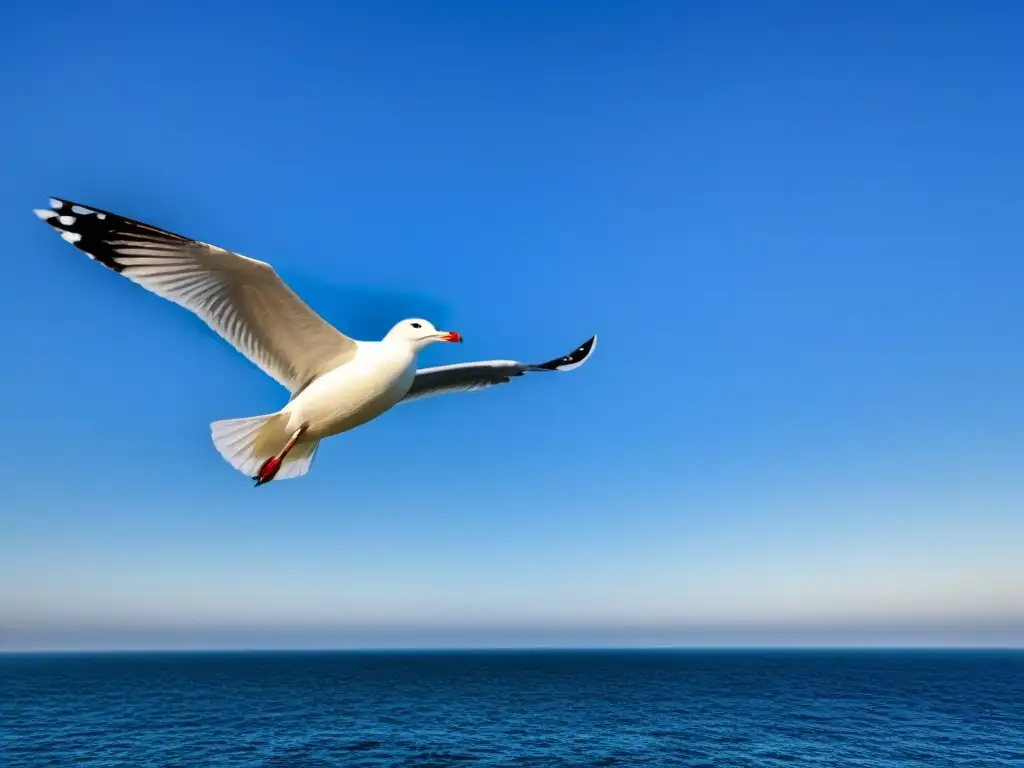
x=451 y=336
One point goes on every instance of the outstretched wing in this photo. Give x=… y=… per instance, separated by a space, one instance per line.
x=468 y=377
x=242 y=299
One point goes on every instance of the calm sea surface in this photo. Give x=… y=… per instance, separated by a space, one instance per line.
x=687 y=708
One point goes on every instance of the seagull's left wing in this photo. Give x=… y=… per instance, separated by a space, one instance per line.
x=468 y=377
x=243 y=300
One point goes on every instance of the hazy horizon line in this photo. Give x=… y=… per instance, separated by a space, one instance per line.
x=1006 y=633
x=739 y=648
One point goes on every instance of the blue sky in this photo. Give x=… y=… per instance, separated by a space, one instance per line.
x=796 y=228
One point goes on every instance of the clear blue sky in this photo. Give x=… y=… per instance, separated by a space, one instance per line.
x=797 y=228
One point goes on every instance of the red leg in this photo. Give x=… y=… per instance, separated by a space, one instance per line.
x=268 y=471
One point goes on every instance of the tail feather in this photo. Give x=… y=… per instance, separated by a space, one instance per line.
x=246 y=443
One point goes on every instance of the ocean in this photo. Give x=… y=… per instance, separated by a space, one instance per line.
x=877 y=709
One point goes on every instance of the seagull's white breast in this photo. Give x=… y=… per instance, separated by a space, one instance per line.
x=377 y=378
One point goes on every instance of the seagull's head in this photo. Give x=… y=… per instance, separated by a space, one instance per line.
x=419 y=333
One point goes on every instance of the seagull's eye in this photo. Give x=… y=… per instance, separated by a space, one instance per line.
x=415 y=325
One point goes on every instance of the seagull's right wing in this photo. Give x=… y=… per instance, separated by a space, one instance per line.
x=240 y=298
x=469 y=377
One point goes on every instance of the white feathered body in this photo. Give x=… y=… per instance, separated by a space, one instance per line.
x=376 y=379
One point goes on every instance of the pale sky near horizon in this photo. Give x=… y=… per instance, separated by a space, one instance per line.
x=795 y=227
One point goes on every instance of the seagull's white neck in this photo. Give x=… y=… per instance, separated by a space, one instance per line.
x=412 y=346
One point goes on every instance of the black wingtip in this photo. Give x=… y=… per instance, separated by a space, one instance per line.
x=84 y=227
x=574 y=359
x=103 y=235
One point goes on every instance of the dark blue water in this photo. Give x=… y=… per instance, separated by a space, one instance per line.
x=306 y=710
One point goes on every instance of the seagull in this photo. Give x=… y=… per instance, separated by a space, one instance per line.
x=336 y=382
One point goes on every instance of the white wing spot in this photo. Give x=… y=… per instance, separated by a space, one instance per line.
x=71 y=237
x=82 y=210
x=67 y=221
x=101 y=215
x=56 y=204
x=43 y=214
